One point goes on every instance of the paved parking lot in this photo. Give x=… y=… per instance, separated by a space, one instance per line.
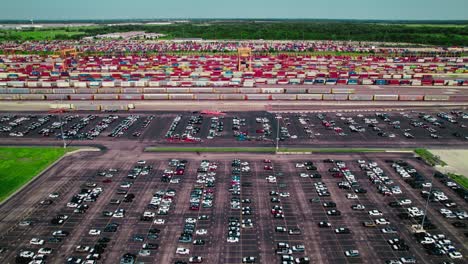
x=322 y=128
x=235 y=196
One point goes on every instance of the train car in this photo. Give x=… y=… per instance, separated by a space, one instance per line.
x=411 y=97
x=386 y=97
x=207 y=96
x=233 y=97
x=181 y=97
x=436 y=97
x=156 y=96
x=106 y=97
x=272 y=90
x=284 y=96
x=258 y=97
x=361 y=97
x=130 y=96
x=335 y=97
x=313 y=97
x=81 y=97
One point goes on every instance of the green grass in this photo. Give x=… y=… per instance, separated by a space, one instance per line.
x=430 y=158
x=460 y=179
x=48 y=34
x=18 y=165
x=260 y=149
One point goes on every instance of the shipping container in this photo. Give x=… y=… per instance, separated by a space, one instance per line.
x=258 y=97
x=295 y=90
x=272 y=90
x=56 y=97
x=32 y=97
x=180 y=96
x=233 y=97
x=319 y=90
x=131 y=90
x=41 y=91
x=367 y=82
x=178 y=90
x=155 y=96
x=109 y=90
x=226 y=90
x=436 y=97
x=335 y=97
x=106 y=97
x=64 y=91
x=81 y=97
x=80 y=84
x=18 y=90
x=309 y=96
x=3 y=90
x=141 y=84
x=361 y=97
x=284 y=96
x=155 y=90
x=386 y=97
x=342 y=91
x=196 y=90
x=107 y=84
x=131 y=97
x=416 y=82
x=411 y=97
x=96 y=84
x=250 y=90
x=10 y=97
x=86 y=90
x=86 y=107
x=63 y=84
x=207 y=96
x=32 y=84
x=16 y=84
x=107 y=107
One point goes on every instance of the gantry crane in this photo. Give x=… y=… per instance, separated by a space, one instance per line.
x=244 y=59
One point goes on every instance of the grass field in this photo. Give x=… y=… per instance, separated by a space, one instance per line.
x=18 y=165
x=460 y=179
x=51 y=34
x=430 y=158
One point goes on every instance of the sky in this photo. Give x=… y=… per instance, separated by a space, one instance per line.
x=310 y=9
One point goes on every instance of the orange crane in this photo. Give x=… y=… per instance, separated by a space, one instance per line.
x=244 y=59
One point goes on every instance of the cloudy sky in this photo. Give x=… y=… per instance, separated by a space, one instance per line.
x=332 y=9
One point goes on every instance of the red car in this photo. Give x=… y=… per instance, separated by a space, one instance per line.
x=266 y=161
x=107 y=181
x=268 y=167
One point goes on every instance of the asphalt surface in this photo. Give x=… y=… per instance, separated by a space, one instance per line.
x=322 y=245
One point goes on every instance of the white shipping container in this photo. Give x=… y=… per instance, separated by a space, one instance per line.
x=155 y=96
x=309 y=96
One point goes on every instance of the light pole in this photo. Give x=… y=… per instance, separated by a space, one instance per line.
x=277 y=133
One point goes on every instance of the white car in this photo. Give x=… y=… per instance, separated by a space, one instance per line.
x=201 y=232
x=36 y=241
x=94 y=232
x=284 y=194
x=44 y=251
x=300 y=165
x=182 y=251
x=54 y=195
x=405 y=202
x=141 y=162
x=375 y=213
x=304 y=175
x=190 y=220
x=233 y=239
x=351 y=196
x=159 y=221
x=26 y=254
x=455 y=255
x=382 y=221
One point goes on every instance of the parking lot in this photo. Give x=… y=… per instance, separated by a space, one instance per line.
x=358 y=128
x=222 y=208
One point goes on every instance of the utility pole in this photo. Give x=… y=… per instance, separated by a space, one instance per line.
x=277 y=132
